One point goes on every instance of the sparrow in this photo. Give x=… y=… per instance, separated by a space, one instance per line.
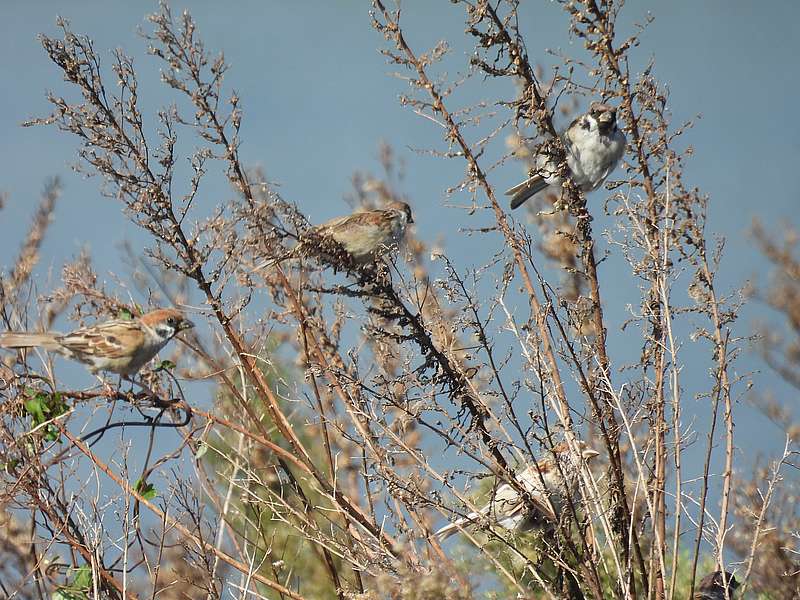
x=362 y=237
x=544 y=503
x=118 y=346
x=712 y=587
x=594 y=146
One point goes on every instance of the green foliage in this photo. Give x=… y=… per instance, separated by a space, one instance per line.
x=147 y=490
x=530 y=545
x=288 y=552
x=83 y=578
x=165 y=365
x=435 y=583
x=67 y=594
x=79 y=586
x=42 y=408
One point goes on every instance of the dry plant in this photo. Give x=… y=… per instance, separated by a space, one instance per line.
x=768 y=540
x=322 y=423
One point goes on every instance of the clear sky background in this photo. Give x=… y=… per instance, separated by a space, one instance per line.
x=318 y=98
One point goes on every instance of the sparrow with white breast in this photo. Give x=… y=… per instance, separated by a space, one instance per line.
x=118 y=346
x=594 y=145
x=546 y=497
x=358 y=238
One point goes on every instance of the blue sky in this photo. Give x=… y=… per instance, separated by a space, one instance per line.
x=318 y=98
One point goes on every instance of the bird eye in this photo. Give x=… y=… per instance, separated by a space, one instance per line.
x=172 y=322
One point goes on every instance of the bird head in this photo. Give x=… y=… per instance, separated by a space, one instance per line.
x=604 y=115
x=587 y=453
x=166 y=322
x=402 y=208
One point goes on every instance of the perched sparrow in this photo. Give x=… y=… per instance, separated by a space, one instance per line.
x=509 y=509
x=118 y=346
x=594 y=146
x=712 y=587
x=362 y=236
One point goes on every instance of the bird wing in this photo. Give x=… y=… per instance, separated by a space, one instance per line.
x=543 y=505
x=329 y=230
x=545 y=170
x=333 y=224
x=614 y=159
x=113 y=339
x=355 y=224
x=505 y=505
x=537 y=494
x=566 y=135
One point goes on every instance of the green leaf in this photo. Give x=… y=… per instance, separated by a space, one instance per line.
x=76 y=590
x=52 y=433
x=147 y=491
x=83 y=578
x=165 y=365
x=35 y=407
x=42 y=407
x=125 y=315
x=57 y=405
x=68 y=594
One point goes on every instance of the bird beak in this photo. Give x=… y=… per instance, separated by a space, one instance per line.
x=589 y=453
x=186 y=324
x=410 y=219
x=606 y=120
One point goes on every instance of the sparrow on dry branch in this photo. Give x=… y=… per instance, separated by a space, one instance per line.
x=118 y=346
x=594 y=146
x=545 y=500
x=354 y=240
x=712 y=587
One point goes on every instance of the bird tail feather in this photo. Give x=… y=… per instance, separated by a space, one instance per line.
x=456 y=526
x=28 y=340
x=521 y=192
x=275 y=261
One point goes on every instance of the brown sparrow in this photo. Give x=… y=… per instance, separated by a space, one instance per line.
x=594 y=146
x=119 y=346
x=544 y=503
x=712 y=587
x=359 y=238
